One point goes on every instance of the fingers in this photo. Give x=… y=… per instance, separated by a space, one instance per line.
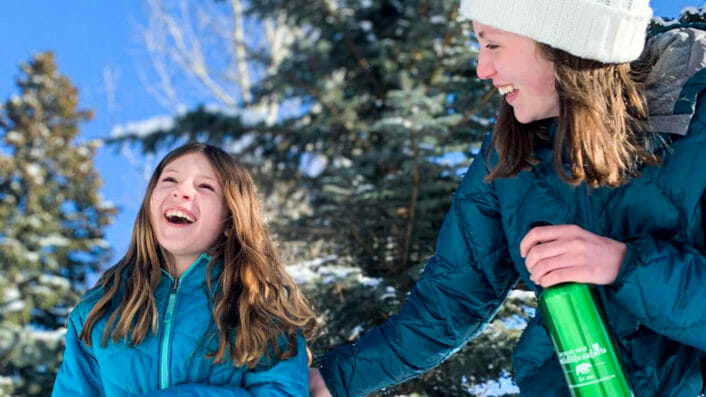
x=567 y=253
x=563 y=275
x=543 y=234
x=563 y=268
x=544 y=251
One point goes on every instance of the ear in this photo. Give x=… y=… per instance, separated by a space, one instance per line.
x=228 y=225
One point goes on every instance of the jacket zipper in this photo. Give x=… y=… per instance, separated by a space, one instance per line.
x=166 y=336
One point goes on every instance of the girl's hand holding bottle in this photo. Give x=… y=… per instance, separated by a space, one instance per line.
x=568 y=253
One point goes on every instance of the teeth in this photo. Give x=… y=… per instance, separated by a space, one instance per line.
x=506 y=89
x=179 y=214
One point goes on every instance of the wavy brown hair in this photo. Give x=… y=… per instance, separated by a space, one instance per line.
x=256 y=301
x=601 y=129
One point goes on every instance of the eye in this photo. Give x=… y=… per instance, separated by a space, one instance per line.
x=491 y=46
x=207 y=187
x=168 y=179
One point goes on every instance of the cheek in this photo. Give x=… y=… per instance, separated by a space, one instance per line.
x=154 y=209
x=222 y=218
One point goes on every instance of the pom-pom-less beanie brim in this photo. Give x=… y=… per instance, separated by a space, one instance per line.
x=609 y=31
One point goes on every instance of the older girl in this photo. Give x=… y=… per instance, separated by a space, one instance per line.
x=614 y=165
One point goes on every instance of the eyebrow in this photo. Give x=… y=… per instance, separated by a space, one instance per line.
x=175 y=171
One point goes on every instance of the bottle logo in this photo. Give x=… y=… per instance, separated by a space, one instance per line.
x=581 y=353
x=583 y=369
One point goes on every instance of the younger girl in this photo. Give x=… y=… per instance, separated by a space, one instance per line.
x=200 y=305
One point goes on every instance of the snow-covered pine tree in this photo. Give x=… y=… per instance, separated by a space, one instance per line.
x=51 y=224
x=388 y=115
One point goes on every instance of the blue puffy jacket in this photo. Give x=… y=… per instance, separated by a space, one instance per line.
x=656 y=306
x=173 y=362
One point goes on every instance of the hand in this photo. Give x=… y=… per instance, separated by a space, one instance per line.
x=317 y=387
x=562 y=253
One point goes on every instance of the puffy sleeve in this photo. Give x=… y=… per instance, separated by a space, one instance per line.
x=462 y=287
x=662 y=282
x=663 y=286
x=79 y=371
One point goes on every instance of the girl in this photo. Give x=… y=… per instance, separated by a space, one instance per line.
x=573 y=146
x=200 y=305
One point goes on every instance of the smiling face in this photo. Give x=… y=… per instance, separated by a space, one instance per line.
x=187 y=209
x=519 y=72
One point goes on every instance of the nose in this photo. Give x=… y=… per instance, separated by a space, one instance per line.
x=183 y=191
x=484 y=67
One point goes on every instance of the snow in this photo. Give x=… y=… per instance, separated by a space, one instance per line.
x=303 y=272
x=355 y=332
x=55 y=281
x=390 y=292
x=107 y=204
x=37 y=153
x=664 y=22
x=394 y=121
x=43 y=129
x=13 y=137
x=54 y=240
x=691 y=10
x=522 y=295
x=485 y=122
x=99 y=242
x=144 y=127
x=32 y=256
x=438 y=19
x=83 y=151
x=11 y=294
x=48 y=336
x=500 y=387
x=14 y=306
x=34 y=170
x=318 y=270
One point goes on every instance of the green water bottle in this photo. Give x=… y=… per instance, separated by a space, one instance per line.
x=583 y=342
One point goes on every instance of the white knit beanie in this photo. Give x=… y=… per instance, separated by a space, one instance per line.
x=609 y=31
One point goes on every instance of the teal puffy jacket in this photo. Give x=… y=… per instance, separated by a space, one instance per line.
x=656 y=306
x=173 y=362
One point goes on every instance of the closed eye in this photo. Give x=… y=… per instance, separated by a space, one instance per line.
x=491 y=46
x=207 y=186
x=168 y=179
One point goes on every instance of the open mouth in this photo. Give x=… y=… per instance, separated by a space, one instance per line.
x=179 y=217
x=504 y=90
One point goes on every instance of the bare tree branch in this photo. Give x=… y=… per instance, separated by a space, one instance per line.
x=240 y=60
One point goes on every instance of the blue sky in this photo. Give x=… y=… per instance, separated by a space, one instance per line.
x=94 y=39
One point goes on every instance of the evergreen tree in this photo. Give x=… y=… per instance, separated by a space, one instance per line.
x=390 y=115
x=51 y=224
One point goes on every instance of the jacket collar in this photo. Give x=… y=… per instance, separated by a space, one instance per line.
x=196 y=274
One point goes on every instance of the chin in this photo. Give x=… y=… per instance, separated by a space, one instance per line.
x=527 y=119
x=524 y=120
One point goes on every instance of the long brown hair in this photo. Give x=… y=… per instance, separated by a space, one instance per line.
x=256 y=301
x=601 y=129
